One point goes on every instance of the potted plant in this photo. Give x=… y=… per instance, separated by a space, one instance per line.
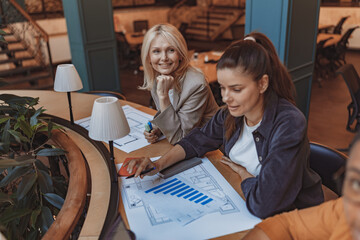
x=31 y=192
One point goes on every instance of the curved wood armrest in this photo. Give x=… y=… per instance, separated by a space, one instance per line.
x=74 y=203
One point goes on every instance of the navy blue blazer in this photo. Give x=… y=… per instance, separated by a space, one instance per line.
x=285 y=180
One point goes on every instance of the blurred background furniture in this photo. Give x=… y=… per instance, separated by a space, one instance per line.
x=140 y=26
x=129 y=54
x=329 y=163
x=352 y=81
x=339 y=25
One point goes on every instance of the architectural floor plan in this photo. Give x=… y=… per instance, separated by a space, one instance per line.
x=135 y=139
x=177 y=207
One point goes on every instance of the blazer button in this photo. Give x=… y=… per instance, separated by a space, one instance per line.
x=260 y=158
x=257 y=139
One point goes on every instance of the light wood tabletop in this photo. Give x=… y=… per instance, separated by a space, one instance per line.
x=56 y=104
x=335 y=38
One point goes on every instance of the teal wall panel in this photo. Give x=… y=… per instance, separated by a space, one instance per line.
x=270 y=18
x=292 y=27
x=93 y=43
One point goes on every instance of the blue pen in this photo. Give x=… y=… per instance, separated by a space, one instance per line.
x=148 y=126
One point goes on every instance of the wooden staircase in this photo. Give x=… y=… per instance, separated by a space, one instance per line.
x=19 y=68
x=211 y=24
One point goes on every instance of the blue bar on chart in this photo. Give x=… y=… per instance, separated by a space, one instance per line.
x=161 y=185
x=183 y=193
x=201 y=199
x=166 y=187
x=190 y=194
x=174 y=188
x=179 y=189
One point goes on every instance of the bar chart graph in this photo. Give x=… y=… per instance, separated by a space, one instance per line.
x=178 y=188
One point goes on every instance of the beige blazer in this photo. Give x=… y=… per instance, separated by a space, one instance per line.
x=192 y=107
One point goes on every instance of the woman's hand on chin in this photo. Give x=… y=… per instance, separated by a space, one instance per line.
x=164 y=84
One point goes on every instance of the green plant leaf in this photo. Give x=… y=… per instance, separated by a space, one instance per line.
x=9 y=162
x=23 y=224
x=25 y=127
x=5 y=198
x=50 y=127
x=33 y=119
x=47 y=152
x=13 y=99
x=41 y=166
x=26 y=184
x=33 y=235
x=18 y=136
x=46 y=218
x=5 y=138
x=54 y=199
x=4 y=119
x=12 y=214
x=45 y=182
x=34 y=216
x=13 y=174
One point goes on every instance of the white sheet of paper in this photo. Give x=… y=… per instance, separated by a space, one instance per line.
x=152 y=217
x=135 y=139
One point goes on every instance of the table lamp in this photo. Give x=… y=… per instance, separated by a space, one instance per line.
x=67 y=80
x=108 y=123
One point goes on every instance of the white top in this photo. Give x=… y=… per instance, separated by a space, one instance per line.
x=244 y=150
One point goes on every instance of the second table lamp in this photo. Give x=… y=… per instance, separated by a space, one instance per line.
x=108 y=123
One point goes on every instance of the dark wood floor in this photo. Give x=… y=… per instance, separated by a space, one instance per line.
x=328 y=106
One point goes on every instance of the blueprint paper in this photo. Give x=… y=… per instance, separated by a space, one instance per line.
x=152 y=217
x=135 y=139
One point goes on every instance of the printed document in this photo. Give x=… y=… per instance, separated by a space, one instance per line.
x=195 y=204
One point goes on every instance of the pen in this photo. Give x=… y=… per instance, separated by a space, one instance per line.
x=143 y=172
x=148 y=126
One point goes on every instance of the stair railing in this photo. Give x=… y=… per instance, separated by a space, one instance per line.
x=28 y=31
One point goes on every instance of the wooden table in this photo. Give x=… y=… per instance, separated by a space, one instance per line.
x=335 y=38
x=56 y=104
x=209 y=69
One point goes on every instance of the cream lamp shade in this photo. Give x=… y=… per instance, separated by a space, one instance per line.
x=108 y=121
x=67 y=79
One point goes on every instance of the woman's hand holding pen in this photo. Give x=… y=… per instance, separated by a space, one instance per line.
x=141 y=164
x=152 y=136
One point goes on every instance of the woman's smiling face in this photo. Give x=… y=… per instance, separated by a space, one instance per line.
x=164 y=58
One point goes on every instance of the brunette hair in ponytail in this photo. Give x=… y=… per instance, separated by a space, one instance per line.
x=256 y=56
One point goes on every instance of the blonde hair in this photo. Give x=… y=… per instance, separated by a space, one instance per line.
x=175 y=39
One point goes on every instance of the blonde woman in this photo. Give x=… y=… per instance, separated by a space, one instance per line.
x=181 y=93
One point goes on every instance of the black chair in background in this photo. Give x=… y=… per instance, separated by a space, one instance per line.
x=336 y=54
x=341 y=46
x=140 y=25
x=129 y=56
x=182 y=29
x=108 y=94
x=321 y=62
x=338 y=27
x=329 y=163
x=352 y=81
